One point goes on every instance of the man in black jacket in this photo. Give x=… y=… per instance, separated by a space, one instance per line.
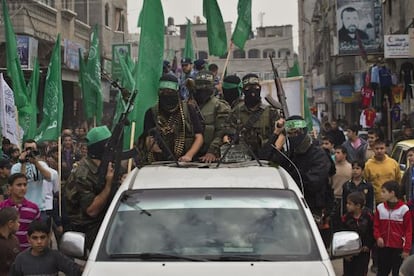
x=309 y=163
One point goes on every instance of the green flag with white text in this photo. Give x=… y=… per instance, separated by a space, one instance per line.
x=30 y=126
x=25 y=96
x=51 y=124
x=243 y=27
x=188 y=49
x=216 y=31
x=14 y=70
x=150 y=61
x=91 y=81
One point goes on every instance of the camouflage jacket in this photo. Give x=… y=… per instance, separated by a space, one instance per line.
x=79 y=193
x=257 y=134
x=215 y=113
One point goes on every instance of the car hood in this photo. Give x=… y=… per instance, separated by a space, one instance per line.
x=209 y=268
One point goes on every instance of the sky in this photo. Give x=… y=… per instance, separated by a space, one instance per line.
x=275 y=12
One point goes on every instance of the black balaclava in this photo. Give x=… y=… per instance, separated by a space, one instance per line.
x=297 y=122
x=251 y=90
x=204 y=83
x=231 y=88
x=96 y=150
x=169 y=99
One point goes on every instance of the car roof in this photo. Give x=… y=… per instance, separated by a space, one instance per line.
x=406 y=143
x=173 y=177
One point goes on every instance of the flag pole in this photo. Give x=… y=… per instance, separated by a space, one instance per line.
x=227 y=60
x=131 y=145
x=60 y=173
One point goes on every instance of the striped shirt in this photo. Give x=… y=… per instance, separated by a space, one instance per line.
x=28 y=212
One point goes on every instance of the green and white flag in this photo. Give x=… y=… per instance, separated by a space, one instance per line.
x=51 y=124
x=244 y=23
x=216 y=31
x=30 y=123
x=150 y=61
x=188 y=49
x=90 y=80
x=8 y=114
x=24 y=96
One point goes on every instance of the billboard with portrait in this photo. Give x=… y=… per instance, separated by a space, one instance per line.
x=359 y=26
x=26 y=50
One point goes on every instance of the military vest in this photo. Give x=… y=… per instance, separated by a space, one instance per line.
x=188 y=130
x=215 y=113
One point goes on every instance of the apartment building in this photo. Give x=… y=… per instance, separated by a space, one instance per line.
x=37 y=23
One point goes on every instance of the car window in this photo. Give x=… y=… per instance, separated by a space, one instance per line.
x=215 y=224
x=396 y=153
x=403 y=160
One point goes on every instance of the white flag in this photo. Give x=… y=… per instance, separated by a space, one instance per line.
x=8 y=114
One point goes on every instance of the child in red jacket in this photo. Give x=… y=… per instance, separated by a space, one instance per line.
x=392 y=230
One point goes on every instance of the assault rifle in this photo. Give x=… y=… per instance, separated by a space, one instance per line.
x=113 y=151
x=281 y=96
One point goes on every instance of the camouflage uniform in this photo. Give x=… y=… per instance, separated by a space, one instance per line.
x=79 y=195
x=215 y=114
x=258 y=134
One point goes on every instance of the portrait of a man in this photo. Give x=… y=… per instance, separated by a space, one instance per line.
x=350 y=30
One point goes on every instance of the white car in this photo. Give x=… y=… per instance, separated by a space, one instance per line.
x=243 y=220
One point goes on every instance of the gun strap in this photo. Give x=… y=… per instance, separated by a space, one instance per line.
x=253 y=118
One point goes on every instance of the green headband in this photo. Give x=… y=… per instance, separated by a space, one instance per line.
x=168 y=85
x=230 y=85
x=291 y=124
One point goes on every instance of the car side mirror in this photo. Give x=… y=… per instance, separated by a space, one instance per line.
x=73 y=244
x=345 y=243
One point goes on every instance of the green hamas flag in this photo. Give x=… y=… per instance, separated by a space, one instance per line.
x=14 y=70
x=188 y=50
x=150 y=57
x=51 y=124
x=127 y=80
x=244 y=23
x=25 y=96
x=308 y=115
x=91 y=81
x=32 y=89
x=216 y=31
x=294 y=71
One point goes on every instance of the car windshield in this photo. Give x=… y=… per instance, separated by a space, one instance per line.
x=209 y=225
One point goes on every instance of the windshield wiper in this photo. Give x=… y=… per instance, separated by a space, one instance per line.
x=155 y=256
x=126 y=199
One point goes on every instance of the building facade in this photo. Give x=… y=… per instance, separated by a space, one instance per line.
x=335 y=70
x=276 y=41
x=37 y=24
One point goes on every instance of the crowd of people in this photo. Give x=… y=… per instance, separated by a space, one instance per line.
x=348 y=183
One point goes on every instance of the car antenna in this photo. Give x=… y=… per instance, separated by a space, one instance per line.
x=294 y=166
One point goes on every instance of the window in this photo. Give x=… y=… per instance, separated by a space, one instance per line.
x=239 y=54
x=202 y=33
x=282 y=53
x=49 y=2
x=268 y=52
x=202 y=55
x=81 y=8
x=254 y=53
x=119 y=20
x=107 y=14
